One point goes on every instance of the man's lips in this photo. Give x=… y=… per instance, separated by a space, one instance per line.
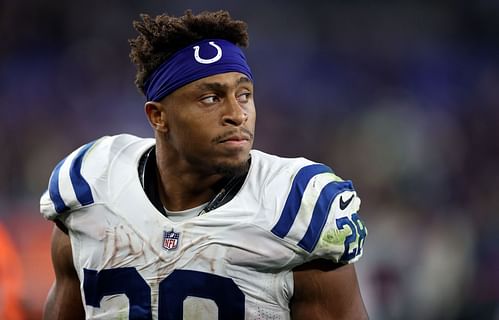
x=242 y=136
x=236 y=138
x=235 y=141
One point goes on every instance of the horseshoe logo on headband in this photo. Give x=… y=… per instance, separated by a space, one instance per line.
x=211 y=60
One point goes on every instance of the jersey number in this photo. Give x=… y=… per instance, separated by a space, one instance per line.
x=173 y=292
x=358 y=233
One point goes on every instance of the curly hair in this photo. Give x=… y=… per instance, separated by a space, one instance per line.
x=160 y=37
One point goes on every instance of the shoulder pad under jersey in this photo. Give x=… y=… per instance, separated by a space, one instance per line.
x=79 y=180
x=318 y=212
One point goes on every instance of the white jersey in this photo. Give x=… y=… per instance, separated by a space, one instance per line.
x=234 y=262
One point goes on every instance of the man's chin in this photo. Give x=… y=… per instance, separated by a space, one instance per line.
x=231 y=169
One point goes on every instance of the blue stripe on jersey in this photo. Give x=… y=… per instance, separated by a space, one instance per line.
x=55 y=196
x=320 y=213
x=80 y=185
x=293 y=201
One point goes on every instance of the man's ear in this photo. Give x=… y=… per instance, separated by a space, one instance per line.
x=156 y=114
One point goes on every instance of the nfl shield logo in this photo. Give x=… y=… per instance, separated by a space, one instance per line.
x=170 y=239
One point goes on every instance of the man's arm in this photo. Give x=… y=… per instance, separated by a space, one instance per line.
x=324 y=290
x=64 y=299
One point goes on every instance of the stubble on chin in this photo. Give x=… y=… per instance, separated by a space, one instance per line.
x=233 y=169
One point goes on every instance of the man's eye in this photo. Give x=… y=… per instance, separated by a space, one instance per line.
x=244 y=97
x=210 y=99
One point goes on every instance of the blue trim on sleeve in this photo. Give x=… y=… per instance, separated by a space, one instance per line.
x=295 y=196
x=80 y=185
x=54 y=193
x=320 y=213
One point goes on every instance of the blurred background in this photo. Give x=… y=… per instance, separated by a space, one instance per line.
x=402 y=97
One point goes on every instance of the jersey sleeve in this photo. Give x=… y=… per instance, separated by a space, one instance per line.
x=79 y=180
x=319 y=215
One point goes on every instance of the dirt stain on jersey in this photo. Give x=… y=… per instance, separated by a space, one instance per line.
x=334 y=237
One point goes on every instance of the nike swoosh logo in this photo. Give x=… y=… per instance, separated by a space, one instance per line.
x=344 y=204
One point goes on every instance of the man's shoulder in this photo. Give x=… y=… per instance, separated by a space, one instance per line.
x=311 y=208
x=286 y=171
x=270 y=163
x=80 y=178
x=111 y=146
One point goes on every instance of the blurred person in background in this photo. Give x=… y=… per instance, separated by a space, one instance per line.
x=195 y=224
x=11 y=279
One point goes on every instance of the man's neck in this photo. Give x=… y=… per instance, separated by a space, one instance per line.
x=184 y=191
x=180 y=187
x=221 y=192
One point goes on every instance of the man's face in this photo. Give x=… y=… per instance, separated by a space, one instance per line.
x=211 y=123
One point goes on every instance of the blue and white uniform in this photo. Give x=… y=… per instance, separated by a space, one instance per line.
x=234 y=262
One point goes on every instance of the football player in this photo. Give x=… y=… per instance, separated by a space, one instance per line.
x=194 y=224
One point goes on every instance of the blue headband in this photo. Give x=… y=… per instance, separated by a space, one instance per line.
x=199 y=60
